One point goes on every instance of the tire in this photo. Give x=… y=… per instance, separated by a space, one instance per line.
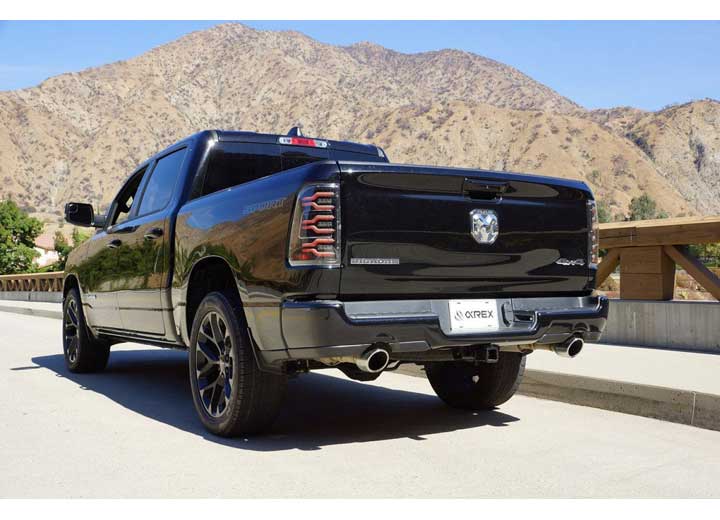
x=231 y=394
x=483 y=387
x=82 y=351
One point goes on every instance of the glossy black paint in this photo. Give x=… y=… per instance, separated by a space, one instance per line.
x=134 y=276
x=247 y=226
x=420 y=216
x=312 y=329
x=123 y=276
x=79 y=214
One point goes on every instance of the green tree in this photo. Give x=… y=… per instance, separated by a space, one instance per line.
x=707 y=253
x=63 y=247
x=645 y=208
x=18 y=232
x=603 y=213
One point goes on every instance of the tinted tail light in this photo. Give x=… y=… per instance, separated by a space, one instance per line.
x=594 y=235
x=315 y=231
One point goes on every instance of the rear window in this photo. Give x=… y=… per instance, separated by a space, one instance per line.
x=232 y=164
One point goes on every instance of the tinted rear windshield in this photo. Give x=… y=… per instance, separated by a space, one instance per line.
x=233 y=163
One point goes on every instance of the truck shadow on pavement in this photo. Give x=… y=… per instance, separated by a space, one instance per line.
x=319 y=410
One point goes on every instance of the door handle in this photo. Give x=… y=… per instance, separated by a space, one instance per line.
x=484 y=189
x=153 y=234
x=113 y=244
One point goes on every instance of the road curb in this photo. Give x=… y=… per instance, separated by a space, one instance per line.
x=28 y=311
x=657 y=402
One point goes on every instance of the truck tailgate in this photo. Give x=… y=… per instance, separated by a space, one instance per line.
x=407 y=232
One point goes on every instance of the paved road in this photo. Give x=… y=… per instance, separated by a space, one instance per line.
x=132 y=432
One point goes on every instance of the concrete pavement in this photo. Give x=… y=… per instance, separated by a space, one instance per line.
x=132 y=432
x=43 y=309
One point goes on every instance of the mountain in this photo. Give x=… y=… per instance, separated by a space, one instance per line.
x=683 y=142
x=78 y=135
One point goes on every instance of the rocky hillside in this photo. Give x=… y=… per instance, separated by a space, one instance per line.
x=77 y=136
x=683 y=143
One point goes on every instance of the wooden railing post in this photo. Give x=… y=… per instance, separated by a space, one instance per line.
x=646 y=273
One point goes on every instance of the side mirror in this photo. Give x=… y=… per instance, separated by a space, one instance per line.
x=81 y=214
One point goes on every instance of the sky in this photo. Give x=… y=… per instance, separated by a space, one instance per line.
x=597 y=64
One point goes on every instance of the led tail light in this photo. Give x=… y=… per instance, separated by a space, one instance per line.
x=594 y=236
x=303 y=141
x=315 y=231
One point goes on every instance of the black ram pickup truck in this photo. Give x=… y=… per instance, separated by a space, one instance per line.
x=267 y=256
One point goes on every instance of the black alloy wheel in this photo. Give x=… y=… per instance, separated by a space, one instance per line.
x=70 y=332
x=232 y=394
x=214 y=364
x=82 y=351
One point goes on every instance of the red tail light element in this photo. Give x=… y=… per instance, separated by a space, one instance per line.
x=315 y=232
x=303 y=141
x=594 y=235
x=318 y=218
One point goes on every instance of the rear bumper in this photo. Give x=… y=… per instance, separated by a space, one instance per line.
x=330 y=328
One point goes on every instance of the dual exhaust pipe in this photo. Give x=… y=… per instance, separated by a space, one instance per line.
x=375 y=359
x=569 y=348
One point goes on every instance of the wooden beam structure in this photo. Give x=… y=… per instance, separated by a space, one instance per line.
x=607 y=266
x=648 y=250
x=662 y=232
x=696 y=269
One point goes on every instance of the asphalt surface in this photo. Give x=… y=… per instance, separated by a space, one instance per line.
x=132 y=432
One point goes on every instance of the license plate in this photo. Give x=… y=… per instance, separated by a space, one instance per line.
x=474 y=316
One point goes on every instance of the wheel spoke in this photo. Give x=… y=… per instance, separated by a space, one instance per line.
x=217 y=334
x=201 y=372
x=214 y=398
x=205 y=382
x=72 y=349
x=72 y=314
x=209 y=351
x=207 y=335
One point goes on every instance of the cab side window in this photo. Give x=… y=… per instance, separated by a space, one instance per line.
x=162 y=182
x=125 y=200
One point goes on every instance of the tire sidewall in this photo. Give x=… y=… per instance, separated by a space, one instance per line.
x=216 y=302
x=497 y=382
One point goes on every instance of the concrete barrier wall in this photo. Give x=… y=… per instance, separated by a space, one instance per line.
x=32 y=296
x=675 y=325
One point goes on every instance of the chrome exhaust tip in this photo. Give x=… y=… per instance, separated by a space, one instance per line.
x=569 y=348
x=374 y=360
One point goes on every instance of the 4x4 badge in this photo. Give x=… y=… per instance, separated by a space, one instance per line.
x=565 y=261
x=484 y=226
